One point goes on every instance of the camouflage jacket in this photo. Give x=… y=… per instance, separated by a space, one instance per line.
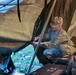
x=62 y=39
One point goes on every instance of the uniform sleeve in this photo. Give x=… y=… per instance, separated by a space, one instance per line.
x=47 y=35
x=61 y=38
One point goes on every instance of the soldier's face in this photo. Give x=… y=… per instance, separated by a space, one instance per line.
x=56 y=27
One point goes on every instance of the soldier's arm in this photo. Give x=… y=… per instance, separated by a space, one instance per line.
x=47 y=35
x=62 y=38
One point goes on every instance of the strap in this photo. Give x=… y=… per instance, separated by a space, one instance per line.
x=18 y=10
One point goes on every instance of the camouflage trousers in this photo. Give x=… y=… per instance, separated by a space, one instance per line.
x=53 y=52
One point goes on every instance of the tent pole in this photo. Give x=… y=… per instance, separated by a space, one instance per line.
x=41 y=36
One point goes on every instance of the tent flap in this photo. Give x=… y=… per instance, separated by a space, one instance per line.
x=11 y=28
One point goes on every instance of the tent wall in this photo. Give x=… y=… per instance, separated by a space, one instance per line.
x=11 y=28
x=65 y=9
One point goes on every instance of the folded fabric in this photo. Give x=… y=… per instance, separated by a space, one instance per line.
x=6 y=5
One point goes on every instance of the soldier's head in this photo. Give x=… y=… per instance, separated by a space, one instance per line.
x=57 y=22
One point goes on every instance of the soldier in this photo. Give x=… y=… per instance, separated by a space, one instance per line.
x=60 y=43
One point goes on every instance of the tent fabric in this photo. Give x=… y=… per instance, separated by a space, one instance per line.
x=6 y=5
x=11 y=28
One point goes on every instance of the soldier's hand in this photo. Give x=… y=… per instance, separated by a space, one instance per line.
x=33 y=43
x=36 y=38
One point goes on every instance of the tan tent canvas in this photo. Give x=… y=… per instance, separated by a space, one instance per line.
x=11 y=28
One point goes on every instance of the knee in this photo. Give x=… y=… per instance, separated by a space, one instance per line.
x=45 y=52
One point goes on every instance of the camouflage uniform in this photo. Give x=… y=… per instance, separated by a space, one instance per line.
x=61 y=43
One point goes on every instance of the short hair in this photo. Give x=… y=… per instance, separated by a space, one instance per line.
x=57 y=20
